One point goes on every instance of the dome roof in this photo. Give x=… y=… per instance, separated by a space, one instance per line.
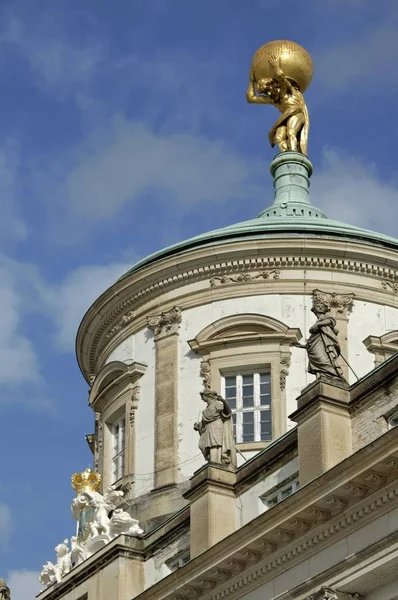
x=291 y=214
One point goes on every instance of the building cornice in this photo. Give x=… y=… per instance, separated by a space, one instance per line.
x=231 y=270
x=355 y=492
x=327 y=509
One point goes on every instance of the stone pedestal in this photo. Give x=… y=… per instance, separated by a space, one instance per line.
x=213 y=508
x=323 y=427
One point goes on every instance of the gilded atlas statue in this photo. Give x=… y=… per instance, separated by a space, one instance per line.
x=279 y=74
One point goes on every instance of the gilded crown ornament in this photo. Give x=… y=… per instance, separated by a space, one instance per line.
x=280 y=72
x=87 y=481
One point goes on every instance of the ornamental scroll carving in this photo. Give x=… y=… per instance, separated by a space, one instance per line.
x=166 y=323
x=125 y=320
x=245 y=277
x=205 y=374
x=342 y=304
x=390 y=286
x=327 y=593
x=284 y=372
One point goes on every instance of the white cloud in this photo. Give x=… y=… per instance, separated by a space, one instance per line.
x=132 y=160
x=67 y=302
x=366 y=64
x=352 y=191
x=61 y=65
x=18 y=361
x=23 y=584
x=6 y=524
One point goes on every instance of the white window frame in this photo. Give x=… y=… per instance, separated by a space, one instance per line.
x=271 y=499
x=393 y=420
x=256 y=408
x=118 y=449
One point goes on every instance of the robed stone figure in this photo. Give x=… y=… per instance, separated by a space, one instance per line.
x=323 y=347
x=215 y=428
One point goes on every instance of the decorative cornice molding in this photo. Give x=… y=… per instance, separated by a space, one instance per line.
x=166 y=323
x=125 y=320
x=326 y=593
x=341 y=304
x=245 y=277
x=113 y=322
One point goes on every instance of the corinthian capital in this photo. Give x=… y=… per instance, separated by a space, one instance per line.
x=340 y=304
x=166 y=323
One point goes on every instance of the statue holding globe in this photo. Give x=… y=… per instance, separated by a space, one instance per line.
x=280 y=72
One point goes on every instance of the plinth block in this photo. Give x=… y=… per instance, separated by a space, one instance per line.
x=323 y=428
x=212 y=506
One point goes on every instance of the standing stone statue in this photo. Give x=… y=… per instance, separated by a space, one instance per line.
x=4 y=590
x=323 y=346
x=216 y=440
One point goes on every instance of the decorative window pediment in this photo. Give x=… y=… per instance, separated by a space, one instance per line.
x=382 y=347
x=114 y=377
x=243 y=329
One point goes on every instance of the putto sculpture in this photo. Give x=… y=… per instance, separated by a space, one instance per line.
x=215 y=428
x=279 y=74
x=323 y=346
x=100 y=519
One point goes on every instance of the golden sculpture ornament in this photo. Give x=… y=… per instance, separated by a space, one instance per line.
x=279 y=74
x=86 y=481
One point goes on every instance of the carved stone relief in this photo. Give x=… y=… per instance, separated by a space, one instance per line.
x=205 y=374
x=390 y=286
x=125 y=320
x=245 y=277
x=284 y=372
x=327 y=593
x=166 y=323
x=341 y=305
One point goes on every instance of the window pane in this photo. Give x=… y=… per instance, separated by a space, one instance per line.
x=265 y=378
x=265 y=388
x=272 y=501
x=230 y=392
x=230 y=381
x=247 y=379
x=247 y=401
x=248 y=390
x=248 y=417
x=287 y=492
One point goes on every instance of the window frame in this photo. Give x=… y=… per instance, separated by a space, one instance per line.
x=118 y=458
x=256 y=408
x=393 y=420
x=278 y=494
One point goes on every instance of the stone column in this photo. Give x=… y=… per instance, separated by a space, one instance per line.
x=340 y=307
x=165 y=327
x=323 y=428
x=213 y=507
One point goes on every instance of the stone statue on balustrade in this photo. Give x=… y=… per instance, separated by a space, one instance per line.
x=323 y=347
x=4 y=590
x=215 y=428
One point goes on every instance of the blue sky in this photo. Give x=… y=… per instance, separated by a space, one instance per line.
x=123 y=129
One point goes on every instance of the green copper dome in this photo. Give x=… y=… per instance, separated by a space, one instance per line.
x=291 y=214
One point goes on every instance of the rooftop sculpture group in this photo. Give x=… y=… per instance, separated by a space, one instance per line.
x=95 y=527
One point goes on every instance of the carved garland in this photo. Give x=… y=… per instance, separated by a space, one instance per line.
x=244 y=277
x=205 y=374
x=284 y=372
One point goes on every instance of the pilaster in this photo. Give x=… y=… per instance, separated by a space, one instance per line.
x=165 y=327
x=213 y=507
x=323 y=428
